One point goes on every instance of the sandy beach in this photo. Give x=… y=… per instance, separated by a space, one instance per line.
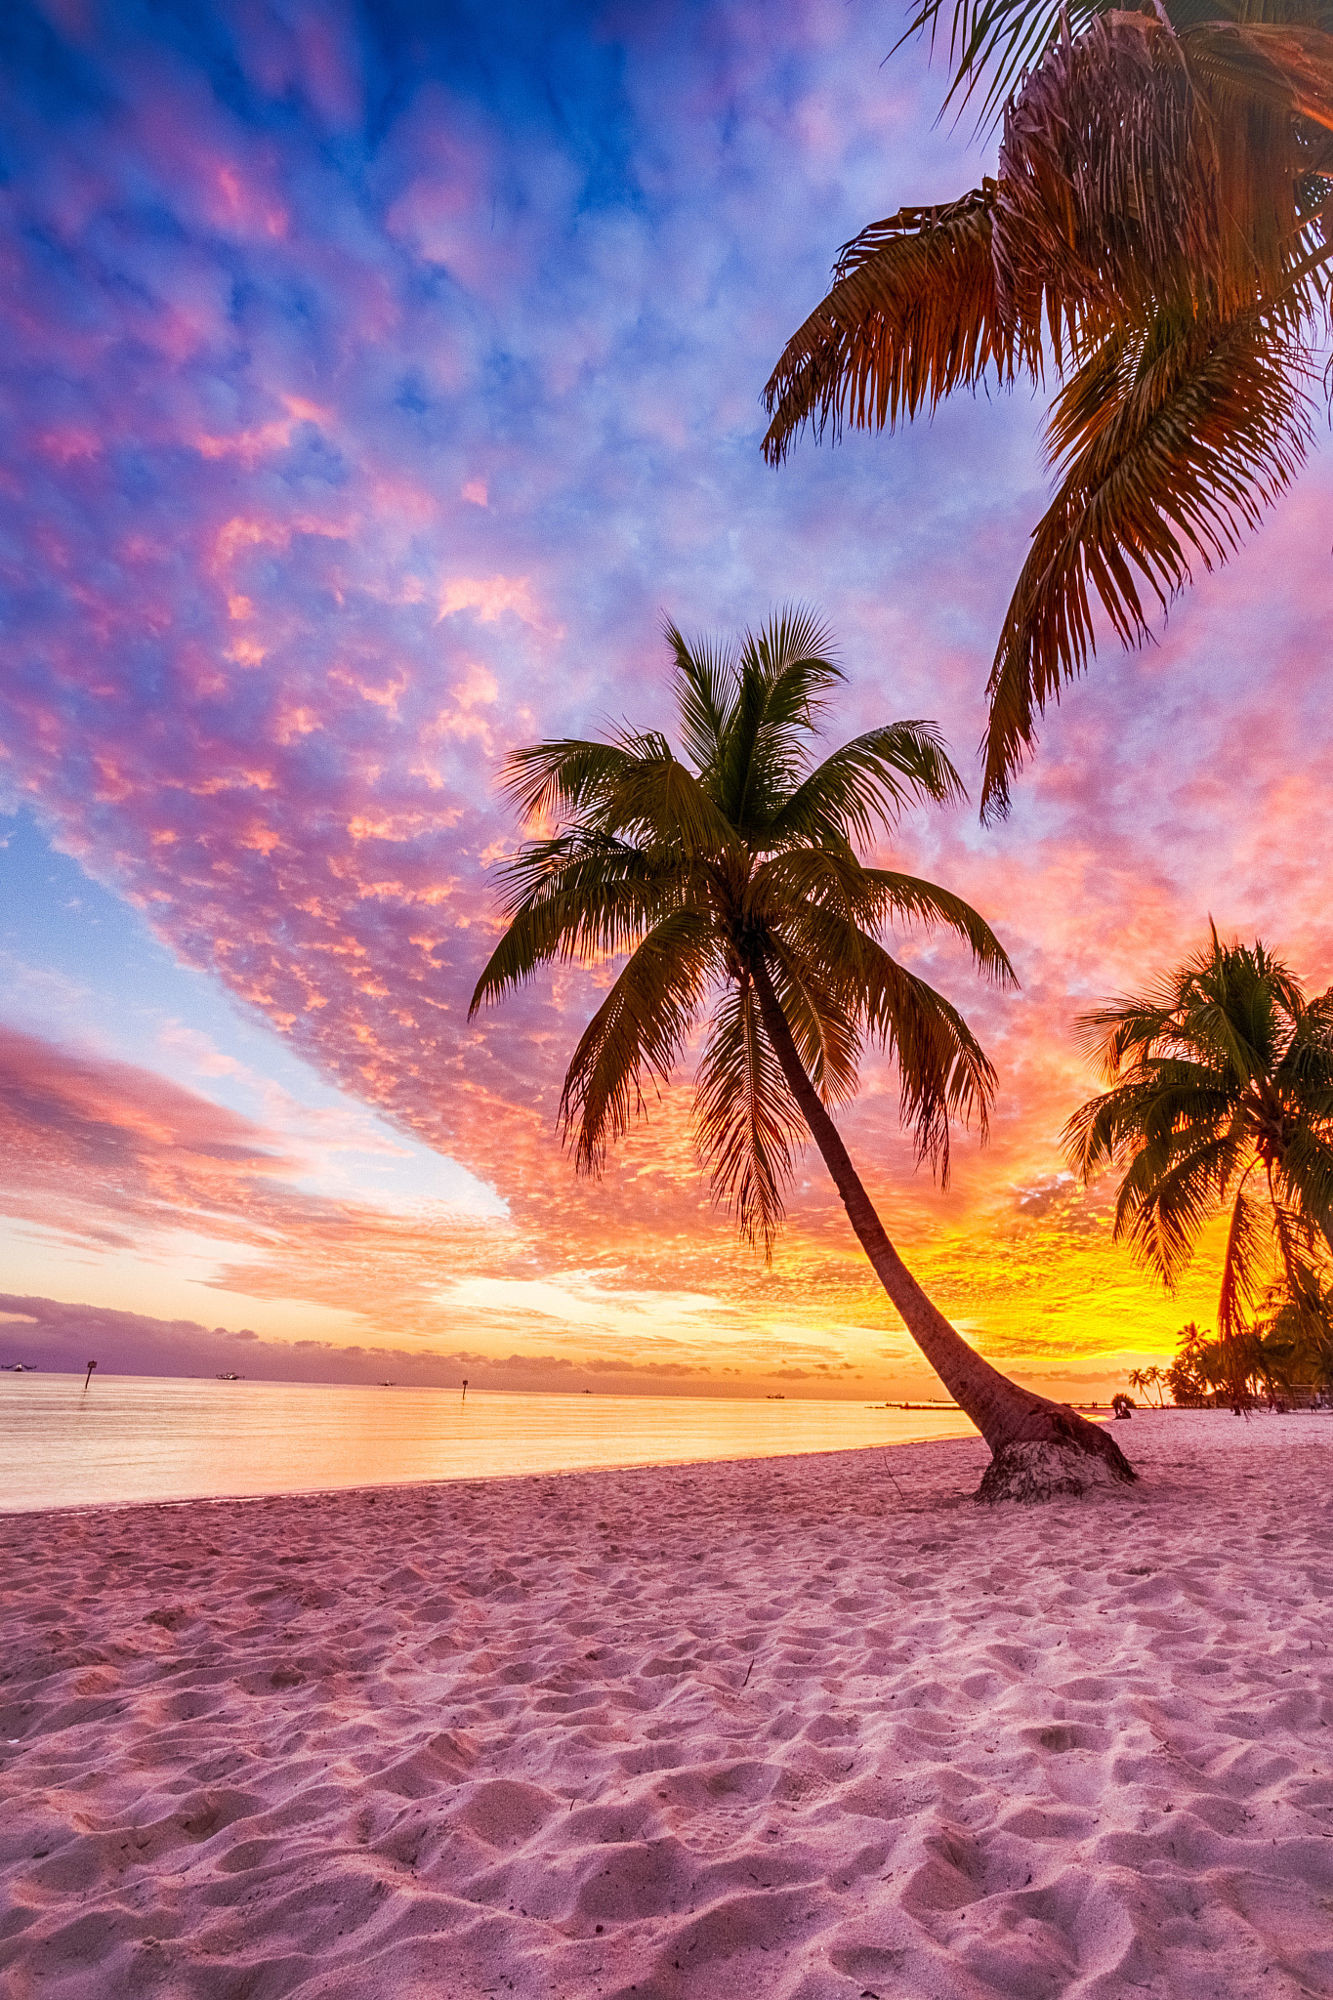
x=804 y=1729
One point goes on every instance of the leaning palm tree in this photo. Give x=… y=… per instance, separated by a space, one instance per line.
x=1159 y=231
x=730 y=877
x=1219 y=1103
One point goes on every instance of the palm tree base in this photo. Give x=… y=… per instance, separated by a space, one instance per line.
x=1051 y=1468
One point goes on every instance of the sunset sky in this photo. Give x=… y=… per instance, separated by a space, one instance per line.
x=373 y=379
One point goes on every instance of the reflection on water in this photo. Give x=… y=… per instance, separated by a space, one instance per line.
x=142 y=1438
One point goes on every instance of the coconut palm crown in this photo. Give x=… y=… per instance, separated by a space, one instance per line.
x=730 y=878
x=1158 y=232
x=1220 y=1102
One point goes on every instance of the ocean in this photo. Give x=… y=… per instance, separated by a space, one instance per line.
x=126 y=1438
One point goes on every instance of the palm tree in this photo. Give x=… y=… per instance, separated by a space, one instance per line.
x=1220 y=1102
x=1159 y=230
x=1138 y=1379
x=731 y=879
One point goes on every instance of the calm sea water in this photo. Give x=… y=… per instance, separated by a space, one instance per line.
x=143 y=1438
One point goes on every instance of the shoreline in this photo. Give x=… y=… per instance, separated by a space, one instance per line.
x=138 y=1441
x=427 y=1486
x=812 y=1722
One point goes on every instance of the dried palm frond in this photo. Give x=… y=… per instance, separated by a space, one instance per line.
x=912 y=315
x=1119 y=185
x=1161 y=223
x=1170 y=450
x=993 y=45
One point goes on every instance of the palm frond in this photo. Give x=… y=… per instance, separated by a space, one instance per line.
x=1244 y=1264
x=1170 y=451
x=1284 y=64
x=578 y=896
x=1158 y=1111
x=562 y=778
x=1307 y=1063
x=660 y=804
x=705 y=694
x=636 y=1035
x=821 y=1017
x=912 y=315
x=909 y=899
x=992 y=44
x=868 y=784
x=1163 y=1209
x=1123 y=192
x=1305 y=1172
x=747 y=1124
x=943 y=1072
x=785 y=673
x=809 y=880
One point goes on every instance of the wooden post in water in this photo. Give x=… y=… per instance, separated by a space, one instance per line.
x=89 y=1376
x=464 y=1396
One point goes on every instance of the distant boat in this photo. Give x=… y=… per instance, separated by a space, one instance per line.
x=230 y=1378
x=15 y=1368
x=775 y=1399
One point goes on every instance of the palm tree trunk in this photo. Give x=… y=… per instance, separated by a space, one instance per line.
x=1010 y=1418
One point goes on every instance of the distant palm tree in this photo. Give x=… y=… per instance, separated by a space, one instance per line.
x=1220 y=1102
x=1158 y=228
x=732 y=881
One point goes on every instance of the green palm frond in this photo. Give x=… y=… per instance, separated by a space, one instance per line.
x=866 y=786
x=943 y=1072
x=830 y=878
x=783 y=679
x=660 y=803
x=636 y=1035
x=566 y=777
x=705 y=694
x=820 y=1009
x=906 y=899
x=1163 y=1207
x=1305 y=1174
x=1244 y=1263
x=581 y=896
x=748 y=1126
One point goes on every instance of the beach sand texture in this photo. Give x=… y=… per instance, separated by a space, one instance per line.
x=797 y=1729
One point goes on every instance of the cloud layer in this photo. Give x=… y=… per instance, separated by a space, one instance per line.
x=370 y=385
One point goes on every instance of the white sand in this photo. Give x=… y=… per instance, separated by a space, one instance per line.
x=773 y=1729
